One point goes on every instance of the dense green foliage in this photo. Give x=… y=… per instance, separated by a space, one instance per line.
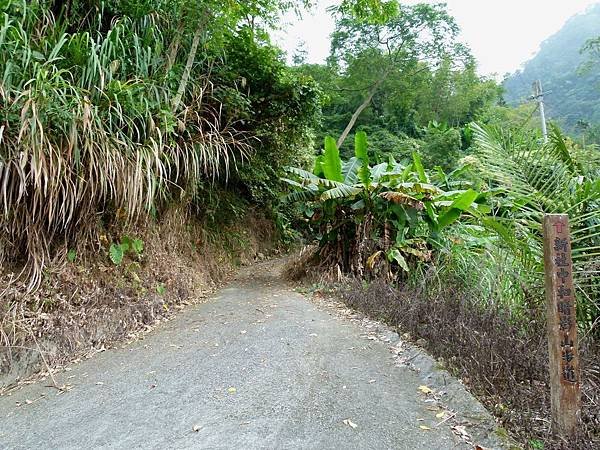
x=121 y=108
x=378 y=219
x=116 y=111
x=419 y=101
x=530 y=180
x=404 y=217
x=111 y=111
x=402 y=81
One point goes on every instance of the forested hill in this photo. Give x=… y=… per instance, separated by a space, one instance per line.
x=575 y=96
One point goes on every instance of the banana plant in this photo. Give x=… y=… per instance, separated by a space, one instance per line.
x=395 y=207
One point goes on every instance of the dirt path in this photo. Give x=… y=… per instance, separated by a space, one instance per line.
x=258 y=366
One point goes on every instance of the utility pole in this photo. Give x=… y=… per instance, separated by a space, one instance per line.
x=538 y=94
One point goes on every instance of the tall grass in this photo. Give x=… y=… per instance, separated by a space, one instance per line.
x=87 y=125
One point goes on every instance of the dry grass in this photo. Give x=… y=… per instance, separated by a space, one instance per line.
x=306 y=265
x=301 y=266
x=82 y=137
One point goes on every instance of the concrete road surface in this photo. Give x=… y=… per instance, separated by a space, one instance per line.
x=258 y=366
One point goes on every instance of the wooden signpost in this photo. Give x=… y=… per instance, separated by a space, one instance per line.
x=562 y=325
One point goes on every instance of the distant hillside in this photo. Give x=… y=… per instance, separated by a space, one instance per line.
x=574 y=96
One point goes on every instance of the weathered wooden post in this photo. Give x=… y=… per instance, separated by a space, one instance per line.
x=562 y=325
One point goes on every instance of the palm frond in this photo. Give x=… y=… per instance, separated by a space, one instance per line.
x=535 y=180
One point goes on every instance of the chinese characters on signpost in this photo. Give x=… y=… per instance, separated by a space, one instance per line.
x=562 y=324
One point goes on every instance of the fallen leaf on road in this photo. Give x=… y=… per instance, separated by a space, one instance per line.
x=232 y=390
x=462 y=432
x=350 y=423
x=425 y=390
x=440 y=415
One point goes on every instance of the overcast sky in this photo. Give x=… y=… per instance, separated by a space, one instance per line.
x=502 y=34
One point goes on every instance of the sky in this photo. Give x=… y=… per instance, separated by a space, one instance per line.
x=502 y=34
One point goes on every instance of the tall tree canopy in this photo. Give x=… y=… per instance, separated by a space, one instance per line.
x=414 y=39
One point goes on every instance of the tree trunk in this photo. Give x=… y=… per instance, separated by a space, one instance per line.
x=174 y=48
x=188 y=68
x=360 y=109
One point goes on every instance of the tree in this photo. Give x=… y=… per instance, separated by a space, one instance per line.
x=369 y=10
x=398 y=115
x=592 y=50
x=412 y=40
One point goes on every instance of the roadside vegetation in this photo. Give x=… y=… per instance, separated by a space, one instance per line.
x=436 y=212
x=141 y=148
x=135 y=132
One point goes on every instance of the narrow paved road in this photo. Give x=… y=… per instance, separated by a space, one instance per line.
x=258 y=366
